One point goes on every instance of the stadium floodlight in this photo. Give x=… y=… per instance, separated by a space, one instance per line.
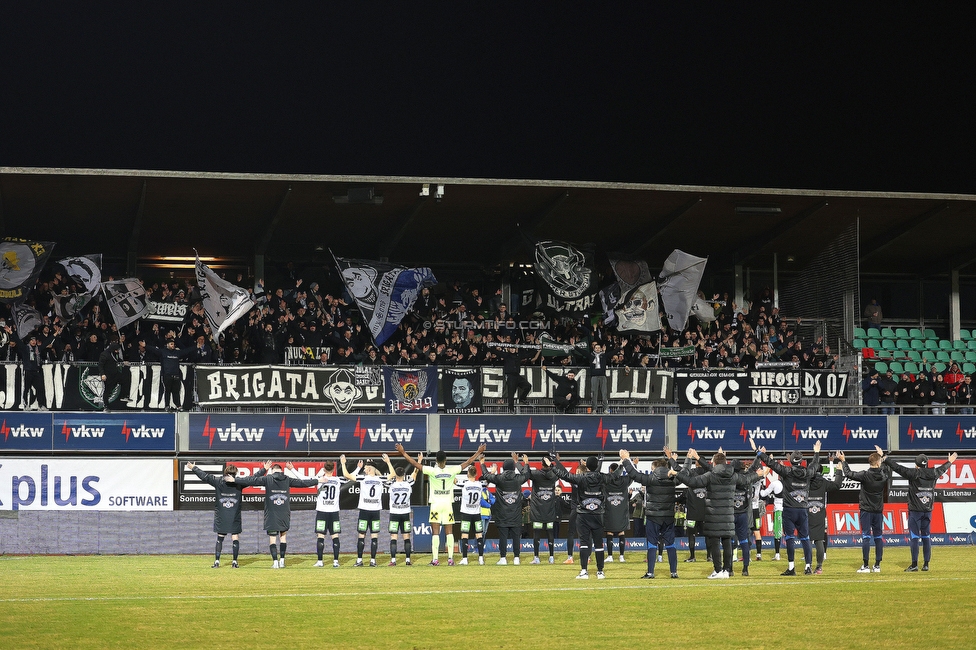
x=758 y=209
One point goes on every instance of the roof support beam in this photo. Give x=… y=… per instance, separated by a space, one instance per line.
x=389 y=244
x=885 y=239
x=661 y=226
x=746 y=253
x=509 y=248
x=261 y=246
x=133 y=256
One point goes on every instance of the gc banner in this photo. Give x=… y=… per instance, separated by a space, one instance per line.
x=341 y=388
x=712 y=388
x=773 y=386
x=83 y=484
x=560 y=433
x=937 y=432
x=304 y=433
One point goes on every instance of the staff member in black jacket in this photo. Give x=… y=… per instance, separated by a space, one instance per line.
x=507 y=512
x=277 y=504
x=517 y=384
x=720 y=483
x=695 y=511
x=109 y=367
x=169 y=361
x=33 y=359
x=796 y=491
x=542 y=507
x=921 y=498
x=592 y=488
x=871 y=501
x=565 y=395
x=659 y=499
x=227 y=507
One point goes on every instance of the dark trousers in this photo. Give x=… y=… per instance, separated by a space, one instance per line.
x=657 y=531
x=589 y=527
x=34 y=380
x=919 y=526
x=720 y=561
x=564 y=405
x=506 y=533
x=517 y=384
x=797 y=520
x=172 y=385
x=571 y=534
x=112 y=382
x=871 y=530
x=743 y=535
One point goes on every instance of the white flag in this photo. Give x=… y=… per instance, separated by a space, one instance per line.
x=638 y=310
x=680 y=278
x=126 y=300
x=703 y=310
x=26 y=318
x=223 y=302
x=85 y=271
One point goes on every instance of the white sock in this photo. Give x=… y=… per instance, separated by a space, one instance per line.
x=791 y=566
x=450 y=545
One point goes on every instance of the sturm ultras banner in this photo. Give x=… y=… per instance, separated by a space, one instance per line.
x=782 y=433
x=566 y=282
x=410 y=391
x=342 y=388
x=304 y=433
x=560 y=433
x=85 y=484
x=650 y=386
x=461 y=390
x=79 y=387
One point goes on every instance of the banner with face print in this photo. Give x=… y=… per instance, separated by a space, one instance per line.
x=461 y=390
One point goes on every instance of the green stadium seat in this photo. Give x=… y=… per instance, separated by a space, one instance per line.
x=931 y=345
x=874 y=333
x=918 y=344
x=881 y=367
x=930 y=334
x=928 y=356
x=959 y=345
x=884 y=354
x=943 y=356
x=915 y=334
x=965 y=335
x=859 y=343
x=957 y=356
x=915 y=355
x=939 y=368
x=859 y=333
x=911 y=368
x=903 y=344
x=969 y=368
x=902 y=333
x=888 y=333
x=971 y=344
x=874 y=343
x=971 y=355
x=896 y=367
x=945 y=344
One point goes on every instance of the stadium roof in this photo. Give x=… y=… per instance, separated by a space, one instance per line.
x=476 y=223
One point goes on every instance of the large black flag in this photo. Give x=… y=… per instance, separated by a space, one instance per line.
x=21 y=262
x=565 y=277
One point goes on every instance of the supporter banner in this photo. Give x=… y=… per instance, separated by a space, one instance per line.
x=937 y=432
x=78 y=387
x=166 y=312
x=410 y=391
x=297 y=355
x=461 y=390
x=653 y=386
x=115 y=432
x=26 y=431
x=565 y=280
x=773 y=386
x=86 y=484
x=304 y=433
x=957 y=484
x=340 y=388
x=825 y=384
x=21 y=262
x=696 y=388
x=560 y=433
x=127 y=300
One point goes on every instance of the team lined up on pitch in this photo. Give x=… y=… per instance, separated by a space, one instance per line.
x=730 y=495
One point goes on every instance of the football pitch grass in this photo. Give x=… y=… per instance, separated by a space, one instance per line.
x=179 y=601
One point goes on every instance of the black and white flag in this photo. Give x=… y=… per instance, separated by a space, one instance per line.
x=383 y=292
x=21 y=262
x=638 y=310
x=630 y=273
x=566 y=282
x=223 y=302
x=609 y=297
x=85 y=271
x=461 y=390
x=126 y=300
x=680 y=278
x=26 y=318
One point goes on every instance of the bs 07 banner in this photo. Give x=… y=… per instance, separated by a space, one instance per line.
x=86 y=484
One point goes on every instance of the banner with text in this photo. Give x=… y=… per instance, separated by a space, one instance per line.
x=303 y=433
x=651 y=386
x=781 y=433
x=738 y=387
x=341 y=388
x=84 y=484
x=937 y=432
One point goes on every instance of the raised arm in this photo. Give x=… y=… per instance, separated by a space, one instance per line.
x=345 y=472
x=206 y=477
x=390 y=473
x=481 y=449
x=403 y=452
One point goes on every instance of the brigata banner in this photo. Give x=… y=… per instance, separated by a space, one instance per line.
x=339 y=388
x=114 y=432
x=26 y=431
x=304 y=433
x=82 y=484
x=560 y=433
x=953 y=432
x=781 y=433
x=648 y=385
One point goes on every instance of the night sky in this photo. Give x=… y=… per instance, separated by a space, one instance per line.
x=876 y=97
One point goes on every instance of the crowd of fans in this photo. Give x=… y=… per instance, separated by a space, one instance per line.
x=931 y=391
x=456 y=325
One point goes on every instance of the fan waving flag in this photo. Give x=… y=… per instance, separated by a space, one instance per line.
x=223 y=302
x=26 y=318
x=566 y=281
x=638 y=310
x=126 y=300
x=680 y=278
x=21 y=262
x=86 y=271
x=383 y=292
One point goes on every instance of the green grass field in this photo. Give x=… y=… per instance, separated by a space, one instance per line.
x=178 y=601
